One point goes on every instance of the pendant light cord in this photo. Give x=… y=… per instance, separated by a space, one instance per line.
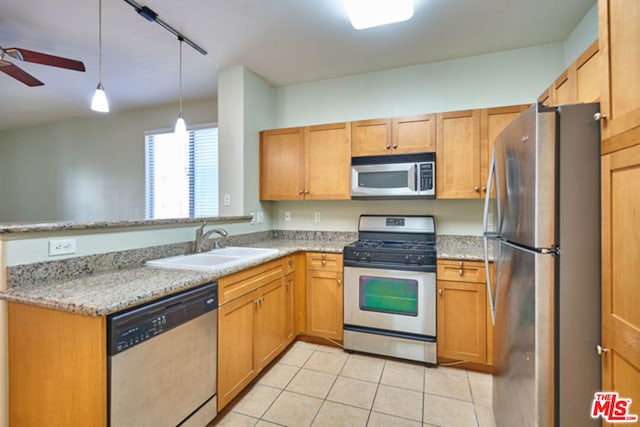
x=180 y=40
x=100 y=41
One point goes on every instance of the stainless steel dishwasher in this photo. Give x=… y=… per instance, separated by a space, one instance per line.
x=162 y=360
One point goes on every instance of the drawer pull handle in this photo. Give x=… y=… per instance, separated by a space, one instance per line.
x=461 y=272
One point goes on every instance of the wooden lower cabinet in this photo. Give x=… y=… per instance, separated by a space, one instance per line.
x=620 y=272
x=324 y=296
x=254 y=329
x=464 y=327
x=57 y=368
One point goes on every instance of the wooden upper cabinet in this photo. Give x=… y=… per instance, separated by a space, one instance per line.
x=578 y=83
x=328 y=162
x=587 y=73
x=371 y=137
x=458 y=155
x=620 y=64
x=415 y=134
x=492 y=122
x=310 y=162
x=400 y=135
x=282 y=164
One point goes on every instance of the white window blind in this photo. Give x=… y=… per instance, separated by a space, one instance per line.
x=181 y=175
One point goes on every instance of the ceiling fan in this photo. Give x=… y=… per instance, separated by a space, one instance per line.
x=36 y=57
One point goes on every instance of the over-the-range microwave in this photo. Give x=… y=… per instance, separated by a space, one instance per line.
x=394 y=176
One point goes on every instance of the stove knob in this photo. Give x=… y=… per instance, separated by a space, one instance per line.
x=407 y=259
x=367 y=256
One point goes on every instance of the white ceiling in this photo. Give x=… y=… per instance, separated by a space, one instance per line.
x=284 y=41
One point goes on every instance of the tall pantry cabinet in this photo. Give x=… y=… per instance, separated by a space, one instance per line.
x=619 y=35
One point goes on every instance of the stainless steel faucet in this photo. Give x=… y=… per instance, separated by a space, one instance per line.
x=202 y=237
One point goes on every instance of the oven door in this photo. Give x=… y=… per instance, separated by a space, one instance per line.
x=391 y=300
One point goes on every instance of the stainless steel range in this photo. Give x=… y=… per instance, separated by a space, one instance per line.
x=390 y=288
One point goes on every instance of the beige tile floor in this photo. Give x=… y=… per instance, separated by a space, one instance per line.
x=316 y=385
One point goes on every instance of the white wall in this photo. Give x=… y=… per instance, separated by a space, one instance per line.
x=504 y=78
x=582 y=36
x=83 y=169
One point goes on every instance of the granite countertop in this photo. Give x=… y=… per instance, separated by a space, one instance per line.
x=107 y=292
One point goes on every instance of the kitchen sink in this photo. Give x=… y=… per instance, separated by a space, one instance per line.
x=213 y=260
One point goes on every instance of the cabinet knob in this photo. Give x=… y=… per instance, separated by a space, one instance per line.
x=461 y=264
x=388 y=147
x=395 y=145
x=306 y=191
x=339 y=282
x=324 y=262
x=601 y=350
x=440 y=291
x=599 y=116
x=484 y=189
x=476 y=189
x=291 y=263
x=288 y=284
x=301 y=192
x=461 y=272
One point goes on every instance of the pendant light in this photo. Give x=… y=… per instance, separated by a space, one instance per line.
x=99 y=102
x=181 y=128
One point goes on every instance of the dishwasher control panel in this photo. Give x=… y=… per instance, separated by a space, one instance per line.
x=128 y=328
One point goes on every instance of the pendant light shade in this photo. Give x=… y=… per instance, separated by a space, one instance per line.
x=99 y=102
x=181 y=127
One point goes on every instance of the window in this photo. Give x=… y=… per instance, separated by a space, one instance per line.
x=182 y=175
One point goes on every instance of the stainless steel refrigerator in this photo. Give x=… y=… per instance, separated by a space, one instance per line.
x=542 y=228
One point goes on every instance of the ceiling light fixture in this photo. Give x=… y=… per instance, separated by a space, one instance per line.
x=99 y=102
x=372 y=13
x=181 y=128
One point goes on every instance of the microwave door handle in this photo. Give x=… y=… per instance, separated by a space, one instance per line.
x=412 y=173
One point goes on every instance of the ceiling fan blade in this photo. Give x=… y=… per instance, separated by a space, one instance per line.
x=19 y=74
x=45 y=59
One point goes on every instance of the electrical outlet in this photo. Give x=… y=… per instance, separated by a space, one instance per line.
x=227 y=200
x=62 y=247
x=260 y=217
x=287 y=216
x=316 y=217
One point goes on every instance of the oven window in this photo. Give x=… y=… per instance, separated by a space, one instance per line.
x=389 y=295
x=386 y=179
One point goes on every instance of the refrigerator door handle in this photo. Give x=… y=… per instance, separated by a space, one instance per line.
x=485 y=232
x=490 y=292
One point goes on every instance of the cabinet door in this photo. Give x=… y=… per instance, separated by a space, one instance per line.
x=492 y=122
x=371 y=137
x=620 y=87
x=282 y=164
x=289 y=308
x=458 y=155
x=462 y=321
x=620 y=273
x=415 y=134
x=236 y=363
x=324 y=304
x=328 y=162
x=269 y=322
x=564 y=89
x=588 y=74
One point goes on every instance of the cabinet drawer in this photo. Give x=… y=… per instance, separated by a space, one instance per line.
x=238 y=284
x=324 y=261
x=461 y=271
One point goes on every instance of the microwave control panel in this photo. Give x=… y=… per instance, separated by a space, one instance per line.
x=426 y=176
